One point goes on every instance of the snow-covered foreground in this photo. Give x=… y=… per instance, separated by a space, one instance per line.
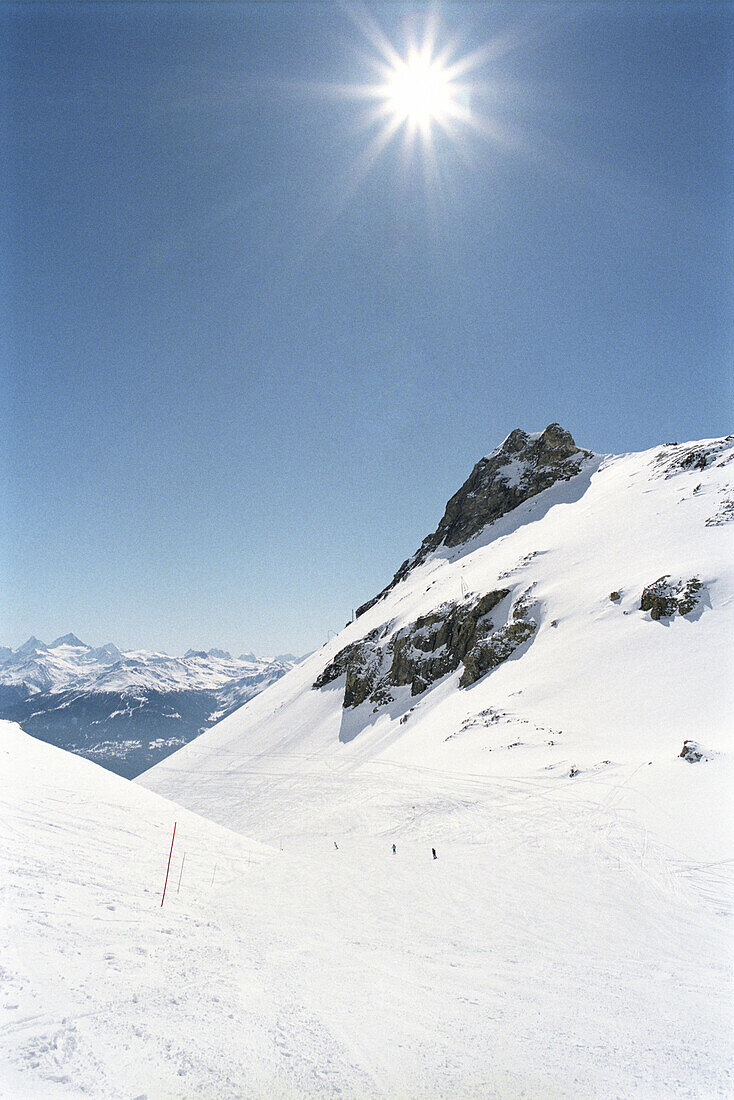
x=553 y=949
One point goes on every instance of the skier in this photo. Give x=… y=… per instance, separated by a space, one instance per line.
x=336 y=846
x=434 y=853
x=394 y=849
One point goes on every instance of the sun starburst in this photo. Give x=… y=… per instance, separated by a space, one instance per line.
x=430 y=95
x=426 y=90
x=418 y=91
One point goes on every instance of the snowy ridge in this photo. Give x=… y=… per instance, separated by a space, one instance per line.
x=574 y=936
x=68 y=663
x=92 y=966
x=523 y=466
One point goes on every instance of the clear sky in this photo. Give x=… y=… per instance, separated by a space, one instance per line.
x=243 y=367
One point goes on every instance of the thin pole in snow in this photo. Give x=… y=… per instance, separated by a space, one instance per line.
x=181 y=872
x=168 y=868
x=213 y=874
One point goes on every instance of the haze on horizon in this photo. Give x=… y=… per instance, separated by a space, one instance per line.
x=264 y=310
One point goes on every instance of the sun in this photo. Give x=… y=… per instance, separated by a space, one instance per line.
x=418 y=91
x=424 y=92
x=431 y=96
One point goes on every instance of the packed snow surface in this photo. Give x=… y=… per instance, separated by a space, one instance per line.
x=571 y=939
x=550 y=950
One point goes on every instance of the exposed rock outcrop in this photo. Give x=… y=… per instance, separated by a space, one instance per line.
x=421 y=653
x=435 y=644
x=724 y=513
x=693 y=752
x=495 y=650
x=677 y=457
x=523 y=466
x=344 y=659
x=667 y=597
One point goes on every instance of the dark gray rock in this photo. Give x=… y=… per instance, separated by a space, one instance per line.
x=659 y=599
x=724 y=513
x=677 y=458
x=364 y=670
x=690 y=596
x=495 y=650
x=344 y=658
x=428 y=649
x=665 y=597
x=519 y=469
x=692 y=752
x=435 y=644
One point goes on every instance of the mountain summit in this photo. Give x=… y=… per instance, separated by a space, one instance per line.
x=70 y=640
x=31 y=646
x=523 y=466
x=544 y=698
x=571 y=615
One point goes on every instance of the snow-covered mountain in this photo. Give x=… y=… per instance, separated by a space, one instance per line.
x=569 y=622
x=124 y=710
x=542 y=697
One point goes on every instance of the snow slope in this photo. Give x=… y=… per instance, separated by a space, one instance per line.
x=574 y=936
x=102 y=991
x=544 y=954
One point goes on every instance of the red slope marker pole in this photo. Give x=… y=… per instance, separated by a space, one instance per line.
x=178 y=891
x=168 y=868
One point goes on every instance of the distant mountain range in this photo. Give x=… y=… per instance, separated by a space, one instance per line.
x=125 y=710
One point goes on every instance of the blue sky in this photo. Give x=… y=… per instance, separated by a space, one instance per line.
x=240 y=381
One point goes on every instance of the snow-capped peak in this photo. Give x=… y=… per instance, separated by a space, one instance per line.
x=523 y=466
x=588 y=630
x=70 y=640
x=33 y=645
x=69 y=664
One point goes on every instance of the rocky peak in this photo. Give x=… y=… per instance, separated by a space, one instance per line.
x=520 y=468
x=523 y=466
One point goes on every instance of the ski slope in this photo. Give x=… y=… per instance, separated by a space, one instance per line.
x=547 y=952
x=577 y=849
